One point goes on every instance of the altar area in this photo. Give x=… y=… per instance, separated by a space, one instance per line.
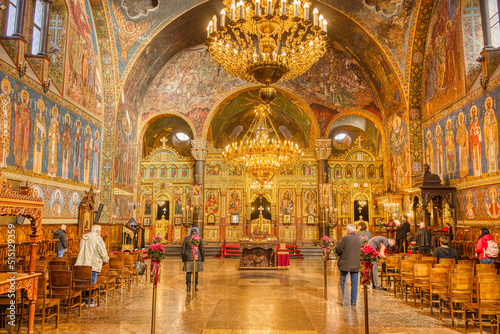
x=259 y=248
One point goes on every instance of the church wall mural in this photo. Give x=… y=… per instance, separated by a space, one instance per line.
x=58 y=25
x=472 y=35
x=46 y=140
x=465 y=143
x=125 y=151
x=479 y=204
x=399 y=161
x=443 y=70
x=122 y=208
x=83 y=69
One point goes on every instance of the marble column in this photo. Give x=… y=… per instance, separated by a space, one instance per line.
x=323 y=149
x=485 y=21
x=199 y=152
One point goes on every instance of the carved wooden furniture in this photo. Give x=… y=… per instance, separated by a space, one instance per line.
x=258 y=254
x=60 y=287
x=82 y=280
x=107 y=282
x=86 y=213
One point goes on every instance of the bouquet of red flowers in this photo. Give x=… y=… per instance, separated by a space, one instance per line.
x=367 y=256
x=156 y=253
x=195 y=242
x=326 y=243
x=157 y=239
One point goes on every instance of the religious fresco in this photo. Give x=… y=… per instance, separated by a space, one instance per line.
x=399 y=159
x=58 y=22
x=212 y=170
x=469 y=144
x=472 y=34
x=235 y=170
x=83 y=68
x=479 y=203
x=125 y=151
x=212 y=206
x=469 y=204
x=46 y=139
x=178 y=205
x=234 y=202
x=122 y=208
x=310 y=205
x=286 y=201
x=60 y=203
x=443 y=69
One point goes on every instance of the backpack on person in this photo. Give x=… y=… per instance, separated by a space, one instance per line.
x=492 y=250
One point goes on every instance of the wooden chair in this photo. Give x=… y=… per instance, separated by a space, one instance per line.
x=480 y=271
x=418 y=257
x=429 y=259
x=447 y=261
x=46 y=307
x=128 y=263
x=438 y=285
x=107 y=282
x=488 y=304
x=469 y=262
x=60 y=286
x=117 y=270
x=82 y=280
x=406 y=276
x=460 y=292
x=392 y=266
x=421 y=279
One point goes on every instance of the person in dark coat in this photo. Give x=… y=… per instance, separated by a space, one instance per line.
x=423 y=239
x=187 y=258
x=348 y=250
x=445 y=251
x=62 y=241
x=401 y=235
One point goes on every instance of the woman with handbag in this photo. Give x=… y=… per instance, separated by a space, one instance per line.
x=187 y=258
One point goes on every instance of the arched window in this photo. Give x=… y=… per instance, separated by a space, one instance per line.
x=11 y=18
x=491 y=23
x=36 y=41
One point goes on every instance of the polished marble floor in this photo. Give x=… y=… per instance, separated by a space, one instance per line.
x=261 y=302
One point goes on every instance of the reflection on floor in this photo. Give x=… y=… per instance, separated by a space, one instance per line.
x=232 y=301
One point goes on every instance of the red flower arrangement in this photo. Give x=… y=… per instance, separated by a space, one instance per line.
x=367 y=256
x=195 y=242
x=326 y=243
x=156 y=253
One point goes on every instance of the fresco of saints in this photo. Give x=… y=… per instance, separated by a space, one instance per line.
x=470 y=207
x=450 y=149
x=54 y=138
x=286 y=205
x=463 y=146
x=66 y=147
x=77 y=152
x=152 y=173
x=490 y=136
x=184 y=172
x=163 y=172
x=95 y=157
x=211 y=207
x=476 y=140
x=173 y=173
x=5 y=122
x=74 y=205
x=310 y=203
x=178 y=205
x=439 y=152
x=56 y=206
x=87 y=151
x=40 y=135
x=22 y=131
x=344 y=207
x=429 y=151
x=235 y=203
x=493 y=207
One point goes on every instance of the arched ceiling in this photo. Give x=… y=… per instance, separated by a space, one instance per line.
x=354 y=127
x=348 y=33
x=167 y=127
x=233 y=117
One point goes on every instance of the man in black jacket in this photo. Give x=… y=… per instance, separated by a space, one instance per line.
x=187 y=258
x=423 y=239
x=62 y=242
x=402 y=234
x=348 y=250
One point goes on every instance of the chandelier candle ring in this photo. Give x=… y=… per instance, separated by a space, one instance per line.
x=266 y=41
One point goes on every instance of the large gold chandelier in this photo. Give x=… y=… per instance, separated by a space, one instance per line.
x=261 y=151
x=266 y=41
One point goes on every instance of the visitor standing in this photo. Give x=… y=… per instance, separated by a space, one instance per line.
x=482 y=246
x=187 y=258
x=423 y=239
x=62 y=241
x=348 y=250
x=379 y=244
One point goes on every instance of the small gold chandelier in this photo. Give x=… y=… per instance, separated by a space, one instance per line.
x=267 y=40
x=261 y=151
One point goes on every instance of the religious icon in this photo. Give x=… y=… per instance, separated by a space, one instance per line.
x=429 y=151
x=310 y=220
x=74 y=204
x=348 y=172
x=310 y=202
x=234 y=170
x=338 y=172
x=147 y=205
x=490 y=136
x=143 y=172
x=146 y=221
x=184 y=172
x=57 y=203
x=178 y=205
x=439 y=152
x=344 y=206
x=196 y=195
x=173 y=172
x=306 y=170
x=212 y=171
x=211 y=219
x=212 y=205
x=5 y=124
x=371 y=172
x=40 y=135
x=463 y=146
x=491 y=202
x=87 y=152
x=77 y=151
x=476 y=139
x=326 y=194
x=345 y=221
x=378 y=221
x=450 y=149
x=470 y=204
x=381 y=172
x=177 y=221
x=235 y=202
x=360 y=172
x=86 y=221
x=235 y=218
x=37 y=191
x=65 y=147
x=163 y=172
x=152 y=172
x=286 y=204
x=287 y=218
x=22 y=130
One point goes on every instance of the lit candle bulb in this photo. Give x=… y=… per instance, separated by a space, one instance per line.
x=321 y=22
x=296 y=8
x=223 y=17
x=325 y=24
x=269 y=7
x=315 y=14
x=306 y=11
x=257 y=7
x=208 y=30
x=214 y=20
x=283 y=7
x=233 y=8
x=242 y=12
x=211 y=26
